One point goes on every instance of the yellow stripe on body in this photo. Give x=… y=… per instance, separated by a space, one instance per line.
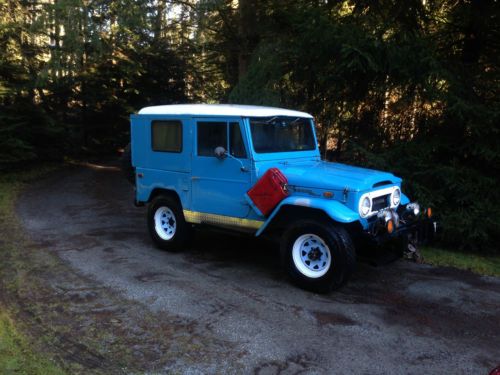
x=203 y=218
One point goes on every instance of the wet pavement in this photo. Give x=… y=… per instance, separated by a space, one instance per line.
x=230 y=293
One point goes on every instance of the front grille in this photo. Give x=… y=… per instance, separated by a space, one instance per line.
x=381 y=202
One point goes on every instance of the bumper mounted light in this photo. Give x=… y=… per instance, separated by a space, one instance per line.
x=413 y=208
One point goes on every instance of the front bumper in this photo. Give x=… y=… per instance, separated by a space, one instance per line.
x=419 y=229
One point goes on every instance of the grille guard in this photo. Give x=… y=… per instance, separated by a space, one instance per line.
x=422 y=228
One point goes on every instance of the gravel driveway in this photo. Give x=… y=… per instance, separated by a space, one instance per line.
x=401 y=318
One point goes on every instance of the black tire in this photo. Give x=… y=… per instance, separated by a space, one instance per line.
x=167 y=239
x=338 y=270
x=126 y=165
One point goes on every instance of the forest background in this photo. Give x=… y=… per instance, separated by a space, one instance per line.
x=406 y=86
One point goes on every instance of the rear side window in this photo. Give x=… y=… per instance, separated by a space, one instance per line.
x=166 y=136
x=210 y=136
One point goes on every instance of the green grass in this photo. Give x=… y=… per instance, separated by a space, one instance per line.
x=480 y=264
x=17 y=354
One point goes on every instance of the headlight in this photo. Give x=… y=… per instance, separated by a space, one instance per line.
x=364 y=206
x=396 y=197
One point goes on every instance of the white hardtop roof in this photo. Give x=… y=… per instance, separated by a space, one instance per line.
x=220 y=110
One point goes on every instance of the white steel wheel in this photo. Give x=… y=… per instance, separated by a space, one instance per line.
x=311 y=256
x=165 y=223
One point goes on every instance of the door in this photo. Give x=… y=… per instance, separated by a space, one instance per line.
x=219 y=184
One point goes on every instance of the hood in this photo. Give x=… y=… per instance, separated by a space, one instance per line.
x=335 y=176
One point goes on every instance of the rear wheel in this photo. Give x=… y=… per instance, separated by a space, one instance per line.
x=166 y=224
x=317 y=256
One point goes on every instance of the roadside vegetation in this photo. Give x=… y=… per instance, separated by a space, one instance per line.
x=17 y=355
x=477 y=263
x=19 y=352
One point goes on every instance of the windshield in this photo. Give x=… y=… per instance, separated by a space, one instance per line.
x=282 y=134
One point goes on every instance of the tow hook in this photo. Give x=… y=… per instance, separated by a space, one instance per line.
x=411 y=251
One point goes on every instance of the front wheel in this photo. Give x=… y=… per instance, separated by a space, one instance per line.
x=318 y=257
x=166 y=224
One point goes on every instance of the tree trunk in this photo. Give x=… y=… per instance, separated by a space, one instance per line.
x=158 y=21
x=248 y=34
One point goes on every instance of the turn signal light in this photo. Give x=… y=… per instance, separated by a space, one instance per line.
x=429 y=212
x=390 y=226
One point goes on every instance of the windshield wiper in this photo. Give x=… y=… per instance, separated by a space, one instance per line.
x=270 y=121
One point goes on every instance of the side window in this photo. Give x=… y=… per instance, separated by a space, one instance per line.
x=210 y=136
x=236 y=145
x=166 y=136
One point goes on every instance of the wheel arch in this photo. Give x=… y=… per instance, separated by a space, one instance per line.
x=324 y=210
x=164 y=192
x=290 y=213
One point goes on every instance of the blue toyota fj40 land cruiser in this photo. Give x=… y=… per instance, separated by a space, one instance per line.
x=196 y=164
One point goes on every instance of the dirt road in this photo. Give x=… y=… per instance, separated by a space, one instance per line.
x=229 y=308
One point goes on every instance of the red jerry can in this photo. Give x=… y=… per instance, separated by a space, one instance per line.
x=268 y=191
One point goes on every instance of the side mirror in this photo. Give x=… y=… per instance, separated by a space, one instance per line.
x=220 y=152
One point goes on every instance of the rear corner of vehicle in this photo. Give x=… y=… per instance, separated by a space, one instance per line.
x=158 y=171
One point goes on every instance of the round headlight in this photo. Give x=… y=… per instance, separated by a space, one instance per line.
x=365 y=206
x=396 y=197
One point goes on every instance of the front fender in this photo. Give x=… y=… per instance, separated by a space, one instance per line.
x=334 y=209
